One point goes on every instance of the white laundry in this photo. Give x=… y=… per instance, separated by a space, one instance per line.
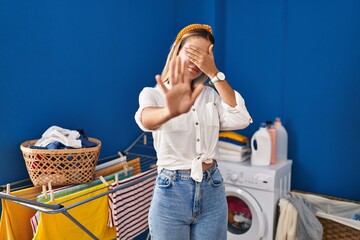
x=286 y=227
x=299 y=220
x=235 y=156
x=232 y=147
x=67 y=137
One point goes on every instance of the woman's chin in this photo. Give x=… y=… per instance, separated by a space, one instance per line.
x=193 y=75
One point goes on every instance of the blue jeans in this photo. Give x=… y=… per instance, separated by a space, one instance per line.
x=182 y=208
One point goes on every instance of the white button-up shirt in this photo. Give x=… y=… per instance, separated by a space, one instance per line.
x=186 y=141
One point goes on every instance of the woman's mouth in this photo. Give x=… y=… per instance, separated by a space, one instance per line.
x=194 y=70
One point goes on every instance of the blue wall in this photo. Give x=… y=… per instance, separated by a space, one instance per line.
x=81 y=64
x=300 y=60
x=77 y=64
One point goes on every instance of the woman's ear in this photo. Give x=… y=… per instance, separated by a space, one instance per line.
x=211 y=49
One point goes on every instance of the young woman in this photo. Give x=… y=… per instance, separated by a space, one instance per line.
x=185 y=117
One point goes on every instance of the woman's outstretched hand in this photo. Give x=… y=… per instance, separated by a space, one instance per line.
x=180 y=97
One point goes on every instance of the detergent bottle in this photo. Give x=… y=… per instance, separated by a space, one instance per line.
x=261 y=147
x=281 y=140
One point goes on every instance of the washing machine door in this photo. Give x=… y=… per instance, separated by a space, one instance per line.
x=245 y=217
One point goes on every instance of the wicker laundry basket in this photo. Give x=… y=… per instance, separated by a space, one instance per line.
x=334 y=230
x=60 y=166
x=337 y=231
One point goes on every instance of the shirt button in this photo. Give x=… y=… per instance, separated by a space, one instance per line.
x=198 y=140
x=197 y=123
x=193 y=109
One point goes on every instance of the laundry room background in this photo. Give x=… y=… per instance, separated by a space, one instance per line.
x=82 y=64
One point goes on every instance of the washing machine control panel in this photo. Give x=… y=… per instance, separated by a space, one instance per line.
x=247 y=179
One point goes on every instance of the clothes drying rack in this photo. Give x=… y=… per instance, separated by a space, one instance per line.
x=142 y=147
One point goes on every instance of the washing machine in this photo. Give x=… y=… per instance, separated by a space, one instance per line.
x=252 y=194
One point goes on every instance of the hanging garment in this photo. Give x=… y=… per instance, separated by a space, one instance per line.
x=64 y=191
x=93 y=215
x=297 y=220
x=129 y=206
x=34 y=221
x=286 y=226
x=15 y=218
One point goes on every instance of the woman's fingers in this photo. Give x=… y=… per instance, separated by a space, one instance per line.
x=178 y=75
x=178 y=71
x=203 y=59
x=192 y=54
x=182 y=70
x=172 y=66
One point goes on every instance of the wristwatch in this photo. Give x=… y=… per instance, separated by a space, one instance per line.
x=220 y=76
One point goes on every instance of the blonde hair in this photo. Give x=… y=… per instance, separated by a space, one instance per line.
x=200 y=30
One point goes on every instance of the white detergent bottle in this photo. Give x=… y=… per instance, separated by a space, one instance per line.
x=281 y=141
x=261 y=147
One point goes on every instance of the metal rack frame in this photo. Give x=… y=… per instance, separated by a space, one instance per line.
x=142 y=147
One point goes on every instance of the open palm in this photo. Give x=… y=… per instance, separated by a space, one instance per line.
x=180 y=97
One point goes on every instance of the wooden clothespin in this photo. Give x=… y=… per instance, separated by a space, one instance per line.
x=8 y=188
x=44 y=192
x=126 y=167
x=123 y=159
x=102 y=179
x=51 y=192
x=116 y=178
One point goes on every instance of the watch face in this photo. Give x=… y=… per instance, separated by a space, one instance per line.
x=221 y=76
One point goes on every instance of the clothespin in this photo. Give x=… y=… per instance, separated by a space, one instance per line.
x=51 y=192
x=44 y=192
x=116 y=178
x=126 y=166
x=8 y=188
x=102 y=179
x=122 y=157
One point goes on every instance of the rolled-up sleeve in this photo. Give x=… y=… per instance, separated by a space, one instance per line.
x=147 y=98
x=232 y=118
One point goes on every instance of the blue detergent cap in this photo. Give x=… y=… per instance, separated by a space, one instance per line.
x=263 y=125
